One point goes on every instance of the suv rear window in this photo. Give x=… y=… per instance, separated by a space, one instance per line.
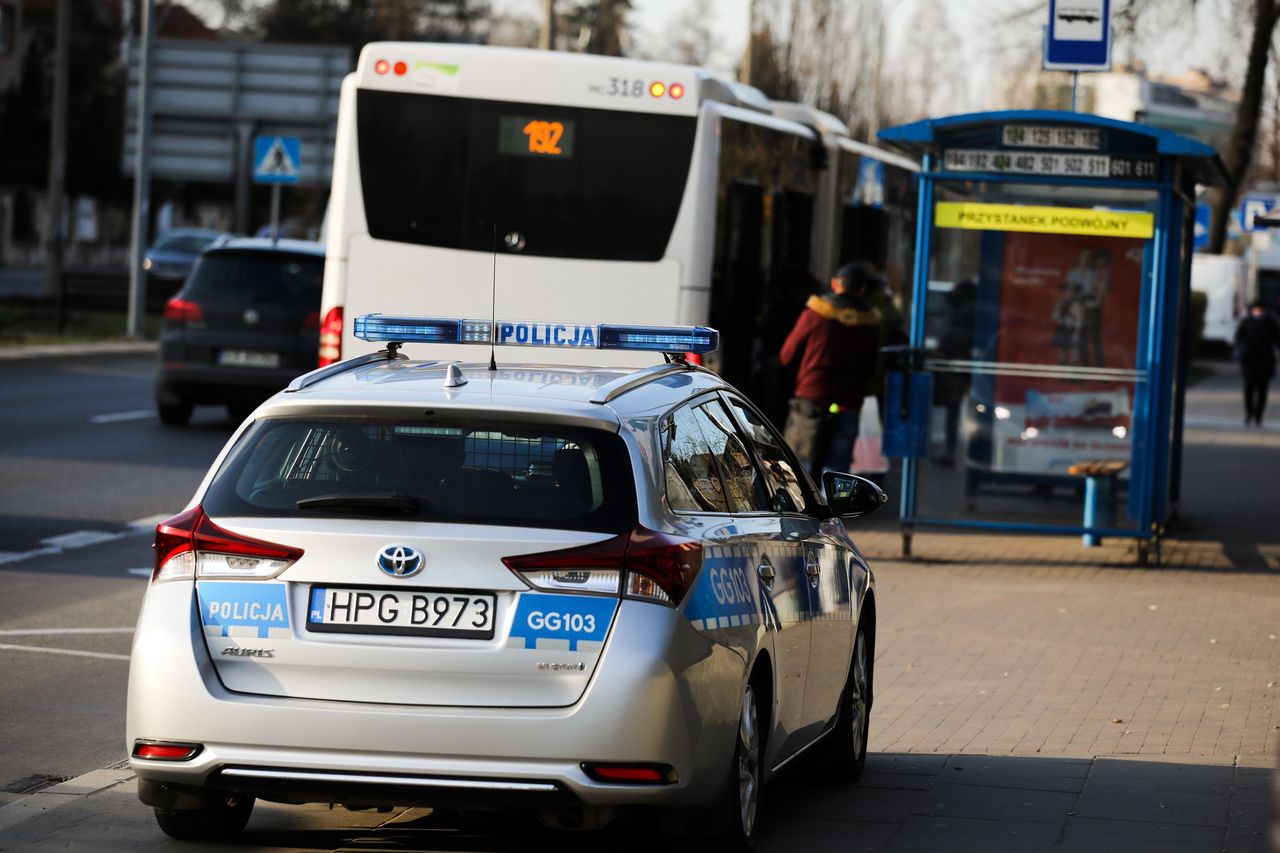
x=259 y=277
x=442 y=470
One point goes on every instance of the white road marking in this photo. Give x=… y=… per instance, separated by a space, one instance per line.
x=116 y=417
x=15 y=556
x=80 y=539
x=142 y=573
x=75 y=652
x=150 y=520
x=41 y=632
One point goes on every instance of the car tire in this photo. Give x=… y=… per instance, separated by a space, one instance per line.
x=175 y=414
x=740 y=802
x=223 y=817
x=848 y=755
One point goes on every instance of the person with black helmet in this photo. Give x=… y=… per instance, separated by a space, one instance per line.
x=833 y=347
x=1257 y=338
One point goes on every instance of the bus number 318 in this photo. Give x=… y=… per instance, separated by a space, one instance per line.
x=626 y=88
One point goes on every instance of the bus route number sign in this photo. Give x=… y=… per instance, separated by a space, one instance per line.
x=527 y=136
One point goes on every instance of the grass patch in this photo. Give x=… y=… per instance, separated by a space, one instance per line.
x=30 y=322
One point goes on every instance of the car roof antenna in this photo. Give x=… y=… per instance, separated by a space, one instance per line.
x=493 y=301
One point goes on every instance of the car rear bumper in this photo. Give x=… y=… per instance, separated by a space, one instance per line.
x=209 y=384
x=662 y=694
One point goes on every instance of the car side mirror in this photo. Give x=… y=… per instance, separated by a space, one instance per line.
x=851 y=497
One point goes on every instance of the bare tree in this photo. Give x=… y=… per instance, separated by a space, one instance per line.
x=830 y=56
x=1239 y=154
x=926 y=81
x=689 y=37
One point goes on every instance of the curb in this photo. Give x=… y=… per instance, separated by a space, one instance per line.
x=62 y=794
x=20 y=352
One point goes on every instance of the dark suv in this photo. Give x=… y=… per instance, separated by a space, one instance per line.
x=244 y=324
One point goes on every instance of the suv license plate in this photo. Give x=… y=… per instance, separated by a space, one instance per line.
x=248 y=358
x=421 y=612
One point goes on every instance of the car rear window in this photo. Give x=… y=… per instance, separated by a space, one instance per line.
x=440 y=470
x=259 y=277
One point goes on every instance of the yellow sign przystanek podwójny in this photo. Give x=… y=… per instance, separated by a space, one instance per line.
x=1043 y=220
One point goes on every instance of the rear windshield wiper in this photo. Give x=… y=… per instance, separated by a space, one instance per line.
x=383 y=502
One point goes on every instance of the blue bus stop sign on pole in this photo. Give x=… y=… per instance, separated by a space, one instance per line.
x=1252 y=206
x=1078 y=36
x=1204 y=217
x=277 y=159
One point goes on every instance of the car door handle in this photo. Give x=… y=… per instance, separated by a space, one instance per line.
x=766 y=574
x=811 y=569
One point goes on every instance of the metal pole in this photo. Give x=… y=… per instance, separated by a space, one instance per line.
x=57 y=152
x=547 y=37
x=1075 y=83
x=275 y=213
x=141 y=179
x=244 y=172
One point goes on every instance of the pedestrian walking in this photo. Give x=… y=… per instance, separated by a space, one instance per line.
x=1257 y=339
x=951 y=388
x=833 y=347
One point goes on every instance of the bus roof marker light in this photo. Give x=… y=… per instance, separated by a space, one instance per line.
x=401 y=69
x=657 y=89
x=604 y=336
x=382 y=66
x=676 y=91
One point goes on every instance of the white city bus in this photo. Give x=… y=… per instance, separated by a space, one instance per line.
x=594 y=188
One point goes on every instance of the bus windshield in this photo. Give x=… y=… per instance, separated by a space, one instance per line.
x=565 y=182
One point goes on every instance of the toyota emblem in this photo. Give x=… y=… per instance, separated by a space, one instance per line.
x=400 y=561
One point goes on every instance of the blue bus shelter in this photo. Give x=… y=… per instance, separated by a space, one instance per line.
x=1043 y=388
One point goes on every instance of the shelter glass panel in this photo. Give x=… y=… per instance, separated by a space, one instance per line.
x=1033 y=330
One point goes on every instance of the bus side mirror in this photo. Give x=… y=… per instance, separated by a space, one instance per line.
x=851 y=497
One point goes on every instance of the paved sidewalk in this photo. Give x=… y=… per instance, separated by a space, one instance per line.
x=25 y=351
x=1031 y=694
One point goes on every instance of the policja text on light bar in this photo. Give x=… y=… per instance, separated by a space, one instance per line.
x=531 y=333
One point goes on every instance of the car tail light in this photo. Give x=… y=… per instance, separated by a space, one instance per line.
x=165 y=751
x=179 y=310
x=641 y=564
x=190 y=545
x=311 y=322
x=631 y=774
x=661 y=567
x=331 y=336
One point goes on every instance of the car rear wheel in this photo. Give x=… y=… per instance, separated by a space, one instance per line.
x=740 y=802
x=175 y=414
x=849 y=749
x=221 y=818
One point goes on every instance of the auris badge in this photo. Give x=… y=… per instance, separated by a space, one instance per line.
x=400 y=561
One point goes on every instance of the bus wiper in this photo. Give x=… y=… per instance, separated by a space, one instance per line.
x=388 y=502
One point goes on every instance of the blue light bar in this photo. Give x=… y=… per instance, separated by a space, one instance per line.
x=524 y=333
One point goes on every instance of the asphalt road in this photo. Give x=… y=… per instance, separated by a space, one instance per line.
x=83 y=460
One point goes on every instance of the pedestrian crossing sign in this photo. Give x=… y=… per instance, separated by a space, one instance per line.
x=277 y=159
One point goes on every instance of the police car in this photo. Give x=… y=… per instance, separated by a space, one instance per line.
x=487 y=586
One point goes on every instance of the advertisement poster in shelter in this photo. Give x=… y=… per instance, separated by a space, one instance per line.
x=1069 y=302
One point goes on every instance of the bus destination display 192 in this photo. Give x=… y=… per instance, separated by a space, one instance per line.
x=526 y=136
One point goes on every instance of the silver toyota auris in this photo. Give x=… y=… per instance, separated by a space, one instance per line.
x=572 y=589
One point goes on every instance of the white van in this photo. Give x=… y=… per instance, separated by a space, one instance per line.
x=1221 y=278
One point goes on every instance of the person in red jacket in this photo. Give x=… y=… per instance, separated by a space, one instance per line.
x=833 y=348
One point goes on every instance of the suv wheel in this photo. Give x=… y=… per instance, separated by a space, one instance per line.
x=223 y=817
x=175 y=414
